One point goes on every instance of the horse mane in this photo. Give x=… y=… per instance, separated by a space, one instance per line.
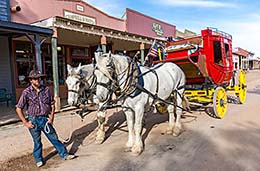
x=120 y=63
x=88 y=70
x=84 y=71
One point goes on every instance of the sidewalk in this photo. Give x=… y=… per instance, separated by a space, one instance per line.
x=9 y=116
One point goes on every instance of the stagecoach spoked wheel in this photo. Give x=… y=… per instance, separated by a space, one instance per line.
x=220 y=102
x=242 y=87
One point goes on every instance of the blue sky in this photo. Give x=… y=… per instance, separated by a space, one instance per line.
x=240 y=18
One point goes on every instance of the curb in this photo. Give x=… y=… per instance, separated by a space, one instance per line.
x=9 y=121
x=16 y=120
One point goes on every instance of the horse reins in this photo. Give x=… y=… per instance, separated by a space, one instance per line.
x=138 y=86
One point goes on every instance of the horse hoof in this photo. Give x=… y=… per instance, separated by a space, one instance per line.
x=135 y=154
x=136 y=151
x=176 y=132
x=99 y=141
x=127 y=149
x=169 y=131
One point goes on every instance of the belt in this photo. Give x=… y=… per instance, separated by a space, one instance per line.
x=37 y=116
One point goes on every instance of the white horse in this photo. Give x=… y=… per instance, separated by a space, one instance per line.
x=80 y=79
x=154 y=85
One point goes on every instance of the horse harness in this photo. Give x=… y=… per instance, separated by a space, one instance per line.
x=87 y=92
x=133 y=86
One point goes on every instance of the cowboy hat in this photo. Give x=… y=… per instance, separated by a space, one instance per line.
x=35 y=74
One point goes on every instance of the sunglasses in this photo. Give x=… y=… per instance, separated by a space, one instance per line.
x=36 y=78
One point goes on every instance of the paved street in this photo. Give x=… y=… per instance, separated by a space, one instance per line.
x=231 y=143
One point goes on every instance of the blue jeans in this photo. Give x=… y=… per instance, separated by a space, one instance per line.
x=39 y=124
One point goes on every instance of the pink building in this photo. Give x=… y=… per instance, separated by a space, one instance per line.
x=138 y=23
x=78 y=30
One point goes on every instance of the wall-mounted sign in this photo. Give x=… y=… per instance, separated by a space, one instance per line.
x=79 y=8
x=78 y=17
x=157 y=28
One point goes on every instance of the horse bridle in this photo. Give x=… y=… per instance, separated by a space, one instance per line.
x=84 y=82
x=115 y=86
x=74 y=91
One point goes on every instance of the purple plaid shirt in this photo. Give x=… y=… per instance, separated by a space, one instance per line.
x=37 y=103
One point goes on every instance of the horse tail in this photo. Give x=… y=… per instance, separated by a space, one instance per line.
x=185 y=103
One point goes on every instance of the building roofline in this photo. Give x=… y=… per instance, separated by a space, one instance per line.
x=98 y=10
x=150 y=17
x=24 y=28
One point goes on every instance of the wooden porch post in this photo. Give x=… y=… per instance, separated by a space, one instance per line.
x=55 y=70
x=104 y=43
x=142 y=52
x=37 y=44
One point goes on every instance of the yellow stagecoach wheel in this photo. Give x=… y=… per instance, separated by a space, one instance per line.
x=242 y=87
x=220 y=102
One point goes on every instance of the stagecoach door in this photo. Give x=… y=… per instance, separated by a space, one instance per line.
x=217 y=52
x=221 y=55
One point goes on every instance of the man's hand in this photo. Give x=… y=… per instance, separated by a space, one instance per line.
x=21 y=116
x=50 y=119
x=29 y=124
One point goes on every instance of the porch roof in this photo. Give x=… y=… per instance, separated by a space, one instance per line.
x=69 y=24
x=12 y=29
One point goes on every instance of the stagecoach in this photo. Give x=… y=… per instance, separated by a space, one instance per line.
x=207 y=63
x=205 y=60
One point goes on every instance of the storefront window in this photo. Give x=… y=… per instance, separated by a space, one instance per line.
x=80 y=55
x=62 y=69
x=25 y=63
x=61 y=50
x=24 y=48
x=46 y=49
x=83 y=52
x=48 y=69
x=48 y=63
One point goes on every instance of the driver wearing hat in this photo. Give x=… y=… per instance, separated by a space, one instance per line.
x=40 y=109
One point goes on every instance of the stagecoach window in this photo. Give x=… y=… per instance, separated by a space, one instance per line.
x=217 y=52
x=226 y=50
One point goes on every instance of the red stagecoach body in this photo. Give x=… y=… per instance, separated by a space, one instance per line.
x=208 y=56
x=207 y=63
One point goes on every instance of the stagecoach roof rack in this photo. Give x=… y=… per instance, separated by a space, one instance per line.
x=218 y=32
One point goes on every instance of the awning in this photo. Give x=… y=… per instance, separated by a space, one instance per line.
x=17 y=29
x=68 y=24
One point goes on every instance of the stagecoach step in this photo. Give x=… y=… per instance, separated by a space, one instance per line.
x=199 y=105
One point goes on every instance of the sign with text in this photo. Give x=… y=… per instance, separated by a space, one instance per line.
x=157 y=28
x=140 y=24
x=78 y=17
x=79 y=8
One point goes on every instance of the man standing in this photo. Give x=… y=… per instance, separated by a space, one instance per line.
x=40 y=109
